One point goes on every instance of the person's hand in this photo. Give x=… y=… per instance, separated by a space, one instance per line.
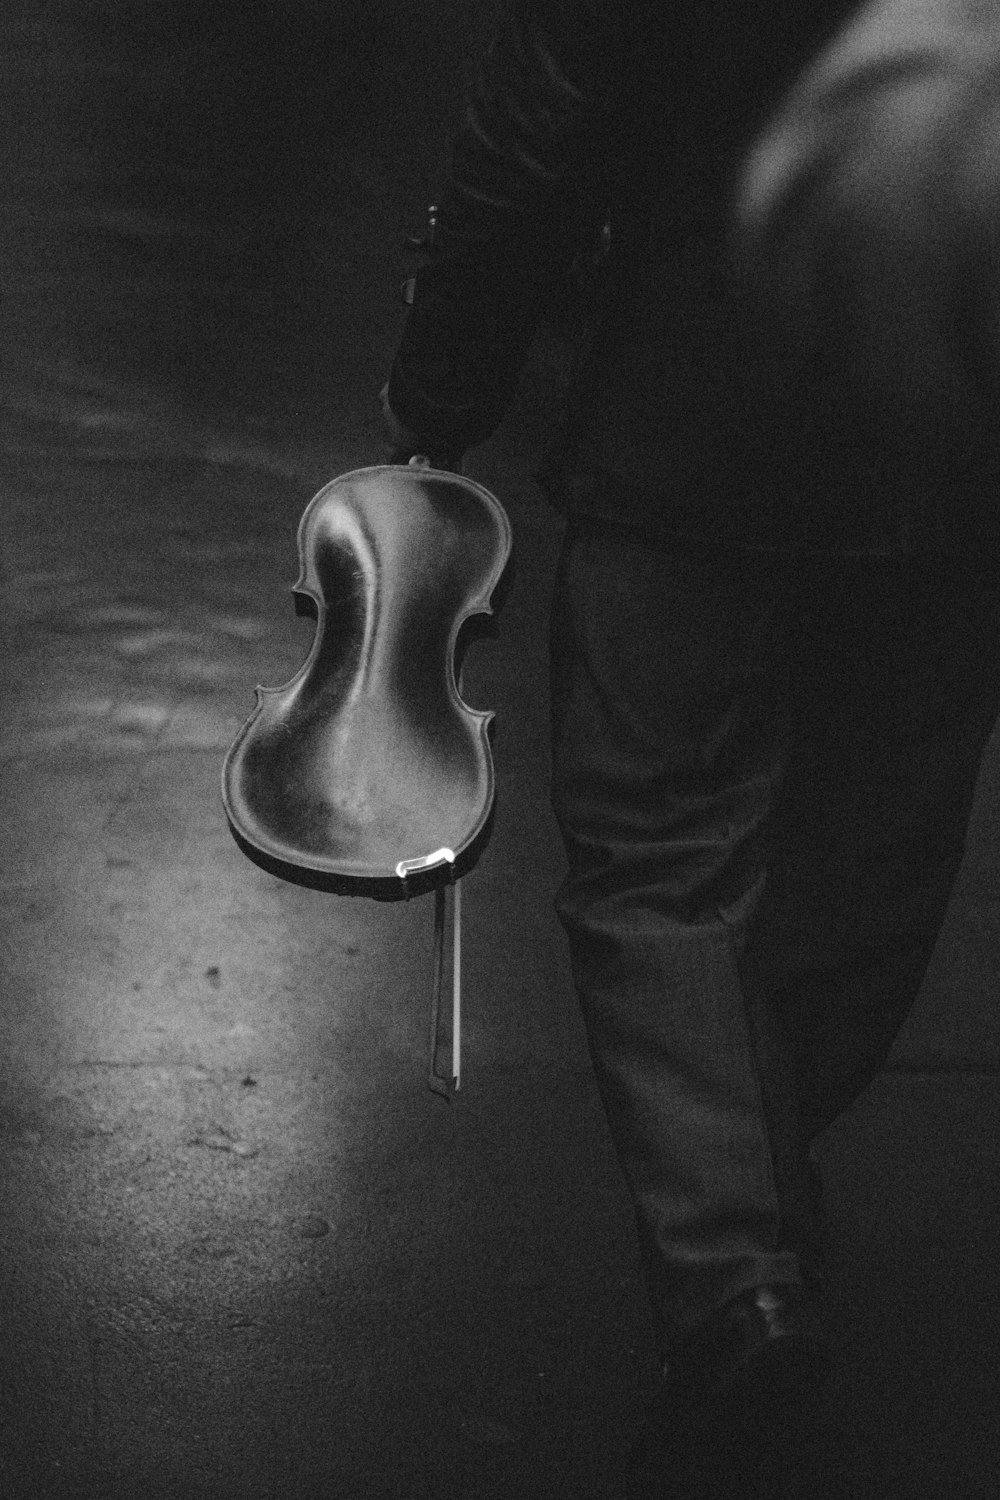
x=402 y=444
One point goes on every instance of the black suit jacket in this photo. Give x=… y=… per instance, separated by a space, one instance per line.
x=793 y=335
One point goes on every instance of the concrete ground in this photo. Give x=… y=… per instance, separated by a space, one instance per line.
x=246 y=1252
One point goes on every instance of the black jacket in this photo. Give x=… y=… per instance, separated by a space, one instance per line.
x=792 y=339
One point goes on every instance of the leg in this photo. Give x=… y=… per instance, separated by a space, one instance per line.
x=896 y=690
x=667 y=751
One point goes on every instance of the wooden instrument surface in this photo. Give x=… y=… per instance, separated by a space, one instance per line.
x=367 y=773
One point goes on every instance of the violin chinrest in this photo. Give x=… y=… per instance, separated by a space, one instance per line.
x=367 y=773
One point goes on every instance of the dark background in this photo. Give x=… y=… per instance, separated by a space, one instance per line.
x=245 y=1252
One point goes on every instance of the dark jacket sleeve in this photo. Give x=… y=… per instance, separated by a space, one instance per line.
x=525 y=174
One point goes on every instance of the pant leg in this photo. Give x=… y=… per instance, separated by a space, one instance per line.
x=895 y=688
x=667 y=749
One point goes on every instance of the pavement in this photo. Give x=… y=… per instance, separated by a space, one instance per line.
x=246 y=1252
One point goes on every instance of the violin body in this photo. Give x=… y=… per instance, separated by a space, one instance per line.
x=367 y=773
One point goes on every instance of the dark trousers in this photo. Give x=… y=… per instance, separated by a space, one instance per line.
x=763 y=773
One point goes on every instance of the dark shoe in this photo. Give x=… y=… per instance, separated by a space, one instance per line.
x=733 y=1401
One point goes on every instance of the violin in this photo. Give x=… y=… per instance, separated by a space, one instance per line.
x=367 y=773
